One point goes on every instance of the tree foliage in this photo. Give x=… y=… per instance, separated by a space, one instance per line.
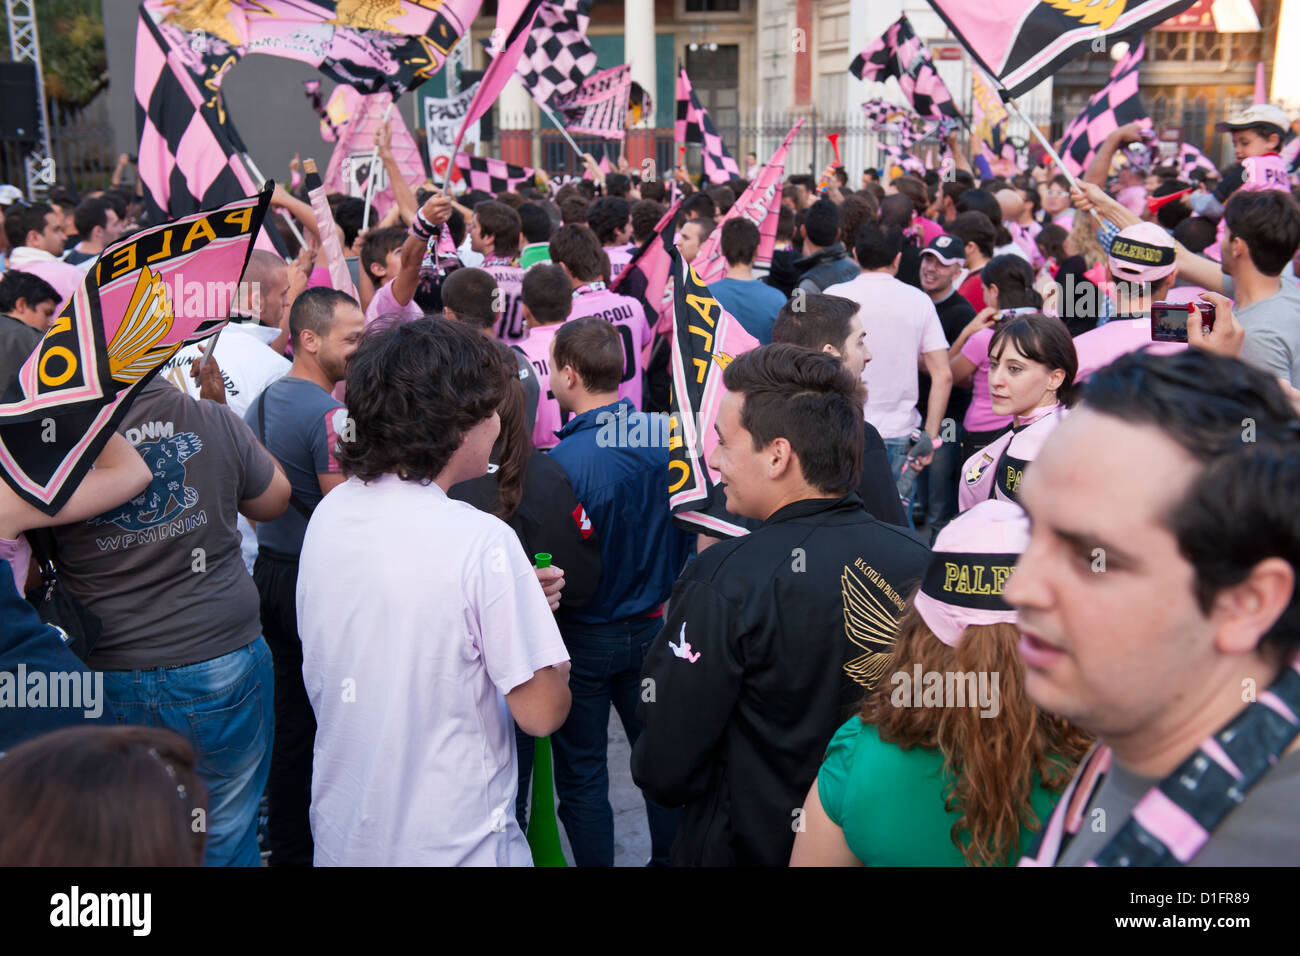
x=72 y=49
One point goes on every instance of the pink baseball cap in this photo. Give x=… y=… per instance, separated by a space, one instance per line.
x=973 y=557
x=1142 y=253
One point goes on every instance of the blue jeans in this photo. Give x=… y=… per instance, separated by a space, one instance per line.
x=897 y=451
x=606 y=669
x=225 y=709
x=942 y=475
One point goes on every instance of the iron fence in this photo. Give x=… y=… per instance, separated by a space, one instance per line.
x=81 y=142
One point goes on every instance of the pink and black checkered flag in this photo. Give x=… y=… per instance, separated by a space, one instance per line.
x=557 y=57
x=491 y=175
x=1190 y=159
x=599 y=106
x=900 y=53
x=694 y=126
x=1116 y=103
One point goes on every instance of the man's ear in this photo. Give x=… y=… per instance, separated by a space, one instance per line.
x=448 y=314
x=1246 y=611
x=832 y=350
x=780 y=459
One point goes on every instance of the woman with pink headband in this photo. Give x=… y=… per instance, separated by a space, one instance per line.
x=948 y=763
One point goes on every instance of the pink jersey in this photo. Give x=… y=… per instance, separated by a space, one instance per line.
x=537 y=348
x=619 y=257
x=594 y=300
x=510 y=280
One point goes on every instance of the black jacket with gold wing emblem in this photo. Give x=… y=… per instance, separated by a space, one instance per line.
x=769 y=643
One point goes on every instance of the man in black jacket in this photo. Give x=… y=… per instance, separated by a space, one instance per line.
x=772 y=638
x=824 y=262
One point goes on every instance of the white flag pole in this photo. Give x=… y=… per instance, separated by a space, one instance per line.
x=370 y=174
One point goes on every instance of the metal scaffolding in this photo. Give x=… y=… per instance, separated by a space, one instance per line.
x=25 y=47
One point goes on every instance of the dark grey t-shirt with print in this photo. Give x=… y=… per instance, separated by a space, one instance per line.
x=1263 y=831
x=163 y=571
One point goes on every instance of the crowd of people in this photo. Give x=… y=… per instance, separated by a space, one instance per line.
x=1011 y=563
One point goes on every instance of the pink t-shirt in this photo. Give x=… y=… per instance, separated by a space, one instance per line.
x=929 y=229
x=510 y=280
x=384 y=304
x=628 y=316
x=901 y=326
x=1099 y=347
x=979 y=416
x=537 y=348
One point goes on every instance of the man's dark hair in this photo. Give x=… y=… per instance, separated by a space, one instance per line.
x=499 y=221
x=822 y=320
x=974 y=227
x=91 y=213
x=785 y=222
x=471 y=294
x=594 y=349
x=376 y=247
x=548 y=293
x=606 y=216
x=724 y=197
x=739 y=241
x=20 y=220
x=573 y=210
x=878 y=243
x=414 y=390
x=578 y=248
x=809 y=399
x=914 y=189
x=618 y=185
x=952 y=189
x=1196 y=233
x=473 y=197
x=534 y=223
x=32 y=289
x=513 y=200
x=1173 y=212
x=821 y=223
x=1244 y=506
x=654 y=190
x=1043 y=339
x=314 y=309
x=981 y=200
x=587 y=189
x=646 y=214
x=1269 y=223
x=1062 y=181
x=841 y=176
x=456 y=226
x=704 y=224
x=897 y=209
x=854 y=211
x=701 y=204
x=349 y=215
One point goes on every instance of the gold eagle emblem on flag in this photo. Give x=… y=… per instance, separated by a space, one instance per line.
x=1100 y=13
x=133 y=352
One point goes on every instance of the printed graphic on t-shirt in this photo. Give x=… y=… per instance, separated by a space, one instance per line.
x=336 y=430
x=870 y=624
x=156 y=512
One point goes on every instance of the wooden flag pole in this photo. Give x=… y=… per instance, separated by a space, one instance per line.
x=1038 y=133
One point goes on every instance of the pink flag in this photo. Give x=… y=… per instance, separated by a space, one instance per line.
x=1261 y=92
x=654 y=261
x=340 y=277
x=761 y=205
x=514 y=20
x=349 y=166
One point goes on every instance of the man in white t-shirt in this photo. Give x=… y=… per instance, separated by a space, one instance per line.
x=424 y=626
x=902 y=326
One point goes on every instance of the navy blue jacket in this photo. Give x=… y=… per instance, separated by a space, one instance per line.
x=27 y=642
x=625 y=493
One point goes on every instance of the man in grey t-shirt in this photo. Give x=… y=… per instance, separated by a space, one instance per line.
x=181 y=645
x=1154 y=611
x=301 y=423
x=1261 y=236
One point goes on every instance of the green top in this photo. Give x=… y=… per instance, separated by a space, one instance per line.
x=538 y=252
x=889 y=802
